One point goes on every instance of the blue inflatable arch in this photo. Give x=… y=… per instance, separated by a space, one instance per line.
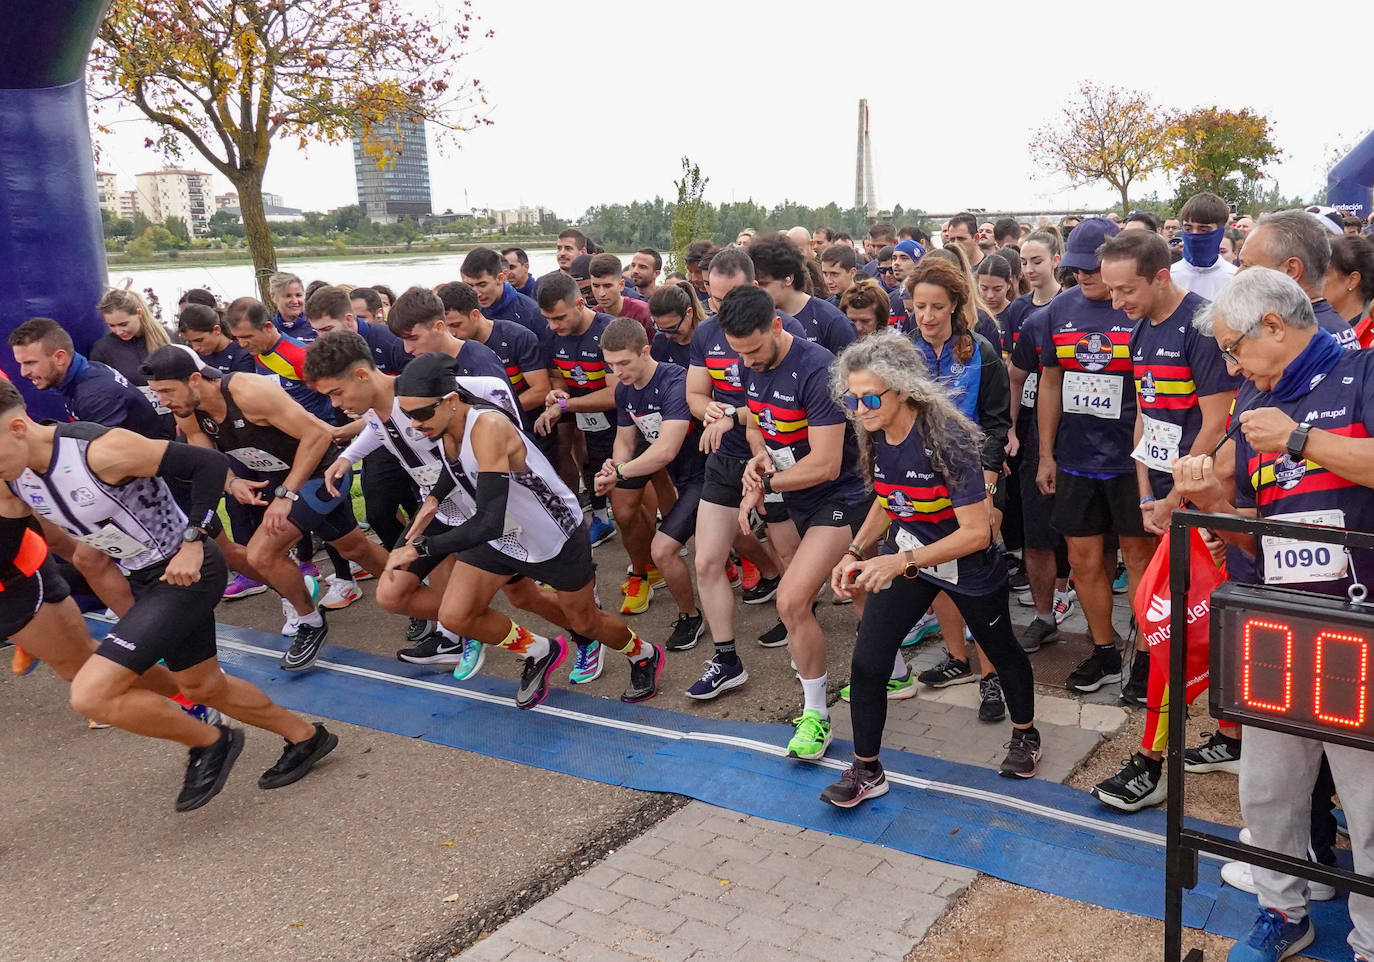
x=1350 y=184
x=52 y=251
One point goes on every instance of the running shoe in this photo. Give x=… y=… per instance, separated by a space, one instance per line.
x=748 y=575
x=992 y=706
x=1100 y=668
x=419 y=628
x=207 y=769
x=950 y=671
x=474 y=654
x=656 y=579
x=1220 y=753
x=1272 y=938
x=289 y=626
x=22 y=663
x=601 y=531
x=1063 y=605
x=305 y=647
x=644 y=676
x=719 y=677
x=1241 y=875
x=1023 y=754
x=775 y=637
x=732 y=574
x=898 y=689
x=859 y=782
x=1121 y=581
x=297 y=758
x=309 y=569
x=926 y=626
x=1016 y=574
x=357 y=572
x=435 y=648
x=638 y=593
x=687 y=631
x=1025 y=599
x=243 y=587
x=204 y=713
x=588 y=664
x=761 y=592
x=534 y=678
x=1133 y=692
x=1038 y=633
x=812 y=737
x=1140 y=784
x=341 y=594
x=96 y=726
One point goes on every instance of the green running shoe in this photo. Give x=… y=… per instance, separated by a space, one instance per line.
x=812 y=737
x=897 y=688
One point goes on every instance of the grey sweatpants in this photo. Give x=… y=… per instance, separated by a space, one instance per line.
x=1276 y=776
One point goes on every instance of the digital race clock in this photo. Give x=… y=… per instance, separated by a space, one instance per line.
x=1294 y=662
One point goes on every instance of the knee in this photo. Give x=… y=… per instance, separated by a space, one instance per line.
x=585 y=621
x=393 y=593
x=663 y=550
x=87 y=700
x=207 y=690
x=259 y=552
x=456 y=617
x=793 y=605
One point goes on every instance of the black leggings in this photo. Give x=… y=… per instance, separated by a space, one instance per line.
x=887 y=617
x=386 y=488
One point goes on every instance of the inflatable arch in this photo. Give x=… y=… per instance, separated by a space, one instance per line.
x=1350 y=185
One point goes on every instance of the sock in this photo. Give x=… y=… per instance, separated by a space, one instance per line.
x=725 y=652
x=813 y=695
x=183 y=701
x=314 y=619
x=1047 y=618
x=451 y=636
x=522 y=641
x=582 y=641
x=873 y=766
x=635 y=648
x=899 y=668
x=600 y=515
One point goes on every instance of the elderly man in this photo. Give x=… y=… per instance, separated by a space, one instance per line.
x=801 y=240
x=1296 y=243
x=1304 y=453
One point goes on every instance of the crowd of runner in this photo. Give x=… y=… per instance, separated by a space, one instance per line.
x=931 y=431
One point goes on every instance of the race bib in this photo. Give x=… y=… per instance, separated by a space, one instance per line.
x=114 y=542
x=596 y=421
x=151 y=395
x=256 y=459
x=782 y=458
x=1030 y=390
x=1289 y=561
x=1096 y=395
x=1158 y=447
x=649 y=425
x=425 y=475
x=947 y=571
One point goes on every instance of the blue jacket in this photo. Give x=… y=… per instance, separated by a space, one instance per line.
x=94 y=392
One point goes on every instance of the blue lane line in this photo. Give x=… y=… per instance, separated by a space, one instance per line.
x=1075 y=847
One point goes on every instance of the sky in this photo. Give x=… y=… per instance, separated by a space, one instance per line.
x=596 y=102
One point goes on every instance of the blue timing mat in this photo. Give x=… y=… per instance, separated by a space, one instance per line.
x=1041 y=835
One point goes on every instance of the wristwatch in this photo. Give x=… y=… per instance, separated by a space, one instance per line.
x=767 y=482
x=421 y=546
x=730 y=411
x=1298 y=440
x=193 y=533
x=911 y=568
x=618 y=473
x=282 y=491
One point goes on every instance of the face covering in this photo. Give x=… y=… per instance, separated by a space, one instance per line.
x=1202 y=250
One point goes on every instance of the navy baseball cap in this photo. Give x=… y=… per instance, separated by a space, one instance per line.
x=1080 y=251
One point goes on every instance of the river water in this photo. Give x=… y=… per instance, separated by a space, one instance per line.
x=236 y=280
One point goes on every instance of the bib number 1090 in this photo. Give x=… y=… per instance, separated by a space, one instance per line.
x=1299 y=558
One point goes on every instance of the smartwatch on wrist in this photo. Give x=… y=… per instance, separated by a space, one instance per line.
x=421 y=546
x=1297 y=441
x=282 y=491
x=563 y=405
x=911 y=569
x=193 y=534
x=618 y=473
x=768 y=483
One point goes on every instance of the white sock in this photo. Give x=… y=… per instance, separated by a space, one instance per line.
x=314 y=619
x=451 y=636
x=899 y=668
x=538 y=648
x=813 y=695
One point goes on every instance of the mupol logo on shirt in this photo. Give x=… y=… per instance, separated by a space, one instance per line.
x=1093 y=351
x=1289 y=473
x=83 y=496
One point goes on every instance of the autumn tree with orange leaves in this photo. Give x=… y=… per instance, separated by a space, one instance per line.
x=1224 y=151
x=233 y=77
x=1104 y=134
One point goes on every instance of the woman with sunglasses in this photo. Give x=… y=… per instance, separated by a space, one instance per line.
x=929 y=531
x=676 y=311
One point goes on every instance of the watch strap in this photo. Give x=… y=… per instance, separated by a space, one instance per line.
x=1297 y=441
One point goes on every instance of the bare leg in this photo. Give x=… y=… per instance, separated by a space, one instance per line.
x=809 y=569
x=675 y=574
x=628 y=505
x=356 y=546
x=717 y=526
x=1093 y=586
x=107 y=692
x=267 y=553
x=209 y=685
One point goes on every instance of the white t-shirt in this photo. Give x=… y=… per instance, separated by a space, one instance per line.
x=1203 y=281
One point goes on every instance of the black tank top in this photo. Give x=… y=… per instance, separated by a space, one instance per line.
x=259 y=447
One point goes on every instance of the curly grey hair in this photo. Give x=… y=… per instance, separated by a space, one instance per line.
x=893 y=358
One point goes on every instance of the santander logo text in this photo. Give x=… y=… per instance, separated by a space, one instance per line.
x=1159 y=612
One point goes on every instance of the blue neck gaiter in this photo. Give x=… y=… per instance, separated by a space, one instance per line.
x=1202 y=250
x=1307 y=369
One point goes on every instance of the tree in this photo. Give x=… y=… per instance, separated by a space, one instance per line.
x=176 y=226
x=232 y=78
x=1224 y=151
x=688 y=213
x=1105 y=134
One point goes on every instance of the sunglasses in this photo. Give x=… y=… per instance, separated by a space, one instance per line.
x=426 y=412
x=885 y=270
x=851 y=402
x=669 y=330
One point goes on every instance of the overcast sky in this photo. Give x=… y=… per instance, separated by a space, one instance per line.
x=763 y=96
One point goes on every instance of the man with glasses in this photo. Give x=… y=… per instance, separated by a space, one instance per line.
x=1086 y=408
x=880 y=235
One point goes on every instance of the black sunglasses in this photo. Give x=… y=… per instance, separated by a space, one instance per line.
x=669 y=330
x=426 y=412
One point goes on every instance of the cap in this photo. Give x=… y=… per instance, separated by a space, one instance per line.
x=1080 y=252
x=1329 y=217
x=910 y=248
x=175 y=362
x=429 y=375
x=581 y=268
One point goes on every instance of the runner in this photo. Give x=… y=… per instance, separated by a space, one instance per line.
x=108 y=488
x=838 y=266
x=417 y=318
x=486 y=273
x=133 y=333
x=779 y=270
x=676 y=314
x=201 y=328
x=645 y=268
x=608 y=290
x=518 y=271
x=867 y=306
x=275 y=352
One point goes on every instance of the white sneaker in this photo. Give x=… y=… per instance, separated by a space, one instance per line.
x=1063 y=605
x=1241 y=875
x=358 y=573
x=1025 y=599
x=293 y=620
x=341 y=594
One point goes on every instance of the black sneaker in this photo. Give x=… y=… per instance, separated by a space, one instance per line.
x=775 y=637
x=1016 y=575
x=1139 y=784
x=1220 y=753
x=686 y=633
x=1102 y=667
x=644 y=676
x=298 y=758
x=305 y=647
x=207 y=769
x=418 y=629
x=991 y=706
x=951 y=671
x=761 y=592
x=534 y=679
x=1023 y=754
x=1039 y=632
x=858 y=783
x=433 y=649
x=1137 y=680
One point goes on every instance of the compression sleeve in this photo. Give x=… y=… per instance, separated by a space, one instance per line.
x=487 y=523
x=205 y=469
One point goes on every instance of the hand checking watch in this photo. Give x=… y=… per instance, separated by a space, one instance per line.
x=421 y=546
x=767 y=482
x=730 y=411
x=1297 y=441
x=193 y=534
x=282 y=491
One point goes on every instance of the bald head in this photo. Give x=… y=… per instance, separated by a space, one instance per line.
x=801 y=239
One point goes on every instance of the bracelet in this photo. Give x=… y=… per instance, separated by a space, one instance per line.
x=563 y=405
x=856 y=551
x=1148 y=499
